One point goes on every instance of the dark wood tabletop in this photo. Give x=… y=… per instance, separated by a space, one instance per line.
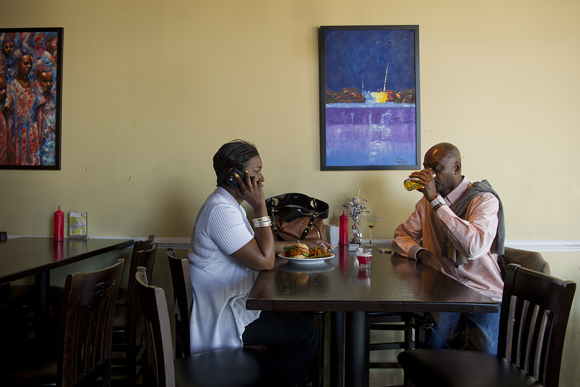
x=394 y=284
x=22 y=257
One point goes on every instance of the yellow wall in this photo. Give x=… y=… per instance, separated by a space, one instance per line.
x=153 y=88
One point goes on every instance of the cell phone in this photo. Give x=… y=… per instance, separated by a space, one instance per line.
x=231 y=179
x=384 y=251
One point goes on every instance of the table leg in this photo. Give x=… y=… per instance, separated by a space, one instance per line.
x=41 y=287
x=354 y=349
x=336 y=349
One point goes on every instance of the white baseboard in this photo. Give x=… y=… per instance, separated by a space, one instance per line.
x=545 y=245
x=533 y=245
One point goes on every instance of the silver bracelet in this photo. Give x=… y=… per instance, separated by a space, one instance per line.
x=263 y=224
x=262 y=219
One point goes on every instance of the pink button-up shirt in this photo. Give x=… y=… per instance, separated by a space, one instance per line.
x=473 y=238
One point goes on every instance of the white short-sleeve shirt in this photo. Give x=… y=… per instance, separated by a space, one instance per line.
x=220 y=283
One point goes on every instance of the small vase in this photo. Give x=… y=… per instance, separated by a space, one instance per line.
x=356 y=232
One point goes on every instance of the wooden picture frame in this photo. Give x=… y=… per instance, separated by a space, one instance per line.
x=31 y=98
x=369 y=97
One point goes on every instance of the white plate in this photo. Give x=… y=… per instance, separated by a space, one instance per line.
x=298 y=268
x=306 y=261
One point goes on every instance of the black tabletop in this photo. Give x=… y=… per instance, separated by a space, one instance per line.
x=394 y=284
x=22 y=257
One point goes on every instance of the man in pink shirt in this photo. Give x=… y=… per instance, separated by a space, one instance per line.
x=457 y=228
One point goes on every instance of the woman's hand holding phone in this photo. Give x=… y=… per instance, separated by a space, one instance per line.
x=233 y=179
x=249 y=186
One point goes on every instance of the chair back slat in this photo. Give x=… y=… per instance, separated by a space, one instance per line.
x=143 y=245
x=144 y=258
x=534 y=316
x=134 y=316
x=527 y=337
x=87 y=326
x=543 y=355
x=183 y=296
x=160 y=367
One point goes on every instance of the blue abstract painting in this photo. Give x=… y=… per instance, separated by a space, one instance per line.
x=369 y=97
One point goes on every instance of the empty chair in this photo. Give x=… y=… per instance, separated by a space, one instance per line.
x=403 y=323
x=82 y=353
x=238 y=367
x=534 y=315
x=137 y=246
x=183 y=298
x=316 y=372
x=128 y=319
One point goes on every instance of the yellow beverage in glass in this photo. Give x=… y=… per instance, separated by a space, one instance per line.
x=410 y=185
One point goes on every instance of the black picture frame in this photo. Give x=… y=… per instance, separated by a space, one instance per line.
x=31 y=119
x=377 y=127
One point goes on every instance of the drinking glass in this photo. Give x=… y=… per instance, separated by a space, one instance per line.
x=363 y=257
x=371 y=221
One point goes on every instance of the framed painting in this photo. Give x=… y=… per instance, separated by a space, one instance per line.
x=369 y=97
x=30 y=98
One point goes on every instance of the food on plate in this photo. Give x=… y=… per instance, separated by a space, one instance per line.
x=301 y=251
x=296 y=250
x=318 y=252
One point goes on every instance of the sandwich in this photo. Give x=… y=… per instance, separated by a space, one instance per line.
x=296 y=250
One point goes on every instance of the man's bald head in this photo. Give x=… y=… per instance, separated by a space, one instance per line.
x=445 y=160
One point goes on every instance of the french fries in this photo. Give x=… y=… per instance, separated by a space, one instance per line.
x=318 y=252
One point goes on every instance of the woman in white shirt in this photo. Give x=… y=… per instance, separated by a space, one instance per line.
x=225 y=257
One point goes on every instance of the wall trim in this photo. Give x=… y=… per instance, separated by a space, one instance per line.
x=533 y=245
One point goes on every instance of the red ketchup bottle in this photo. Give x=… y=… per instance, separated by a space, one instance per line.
x=58 y=225
x=343 y=229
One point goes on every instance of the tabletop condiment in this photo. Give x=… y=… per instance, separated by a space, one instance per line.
x=58 y=225
x=343 y=229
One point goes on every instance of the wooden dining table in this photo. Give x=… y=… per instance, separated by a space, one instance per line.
x=393 y=284
x=37 y=256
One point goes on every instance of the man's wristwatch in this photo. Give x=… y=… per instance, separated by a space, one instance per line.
x=438 y=200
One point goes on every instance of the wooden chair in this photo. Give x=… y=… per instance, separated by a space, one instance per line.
x=316 y=372
x=183 y=301
x=405 y=323
x=183 y=298
x=83 y=351
x=137 y=246
x=534 y=315
x=128 y=321
x=238 y=367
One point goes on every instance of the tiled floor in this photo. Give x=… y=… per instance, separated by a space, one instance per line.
x=385 y=377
